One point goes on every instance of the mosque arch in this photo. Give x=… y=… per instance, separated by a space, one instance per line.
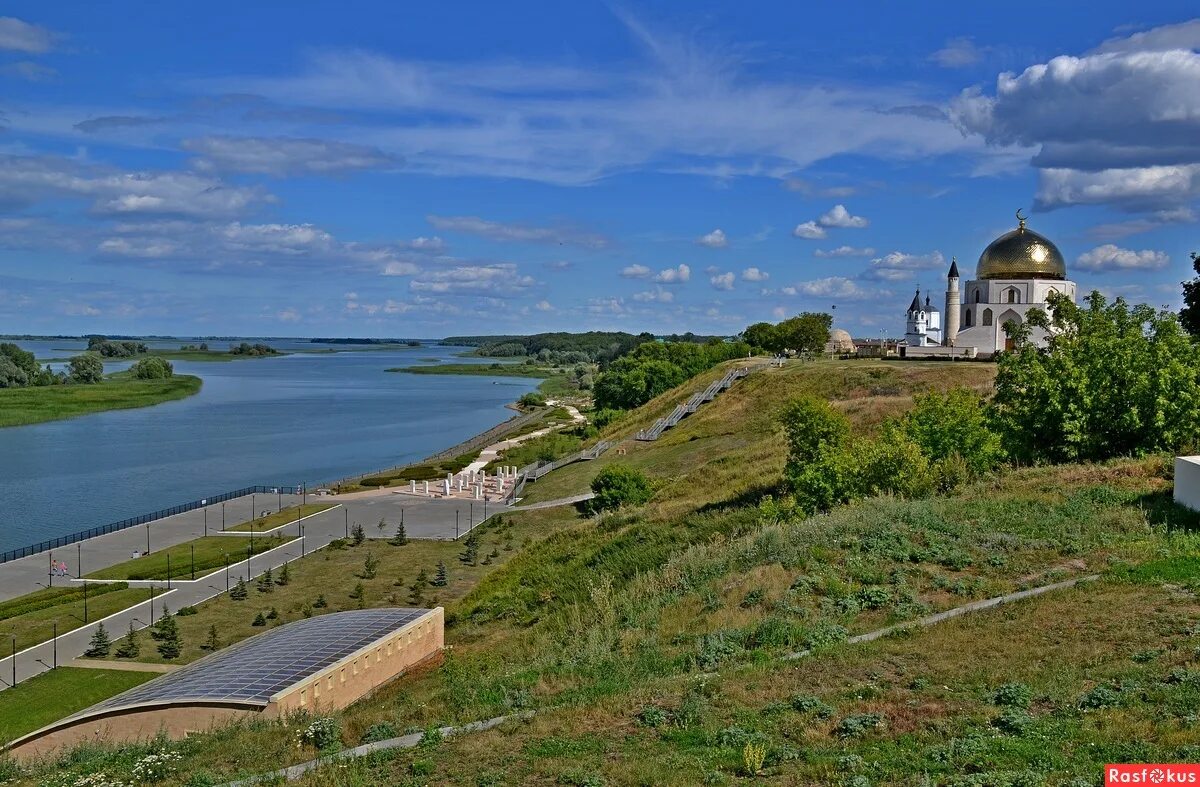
x=987 y=317
x=967 y=320
x=1012 y=295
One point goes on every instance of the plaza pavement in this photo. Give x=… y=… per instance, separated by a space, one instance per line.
x=423 y=518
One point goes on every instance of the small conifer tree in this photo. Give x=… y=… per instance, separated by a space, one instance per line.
x=440 y=579
x=100 y=644
x=266 y=583
x=259 y=620
x=170 y=644
x=130 y=647
x=401 y=537
x=239 y=592
x=213 y=642
x=285 y=575
x=370 y=566
x=320 y=603
x=357 y=534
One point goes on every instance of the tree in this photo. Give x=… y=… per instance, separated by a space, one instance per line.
x=417 y=596
x=357 y=534
x=470 y=553
x=266 y=583
x=320 y=603
x=259 y=620
x=440 y=579
x=619 y=485
x=807 y=332
x=762 y=336
x=285 y=575
x=370 y=566
x=170 y=645
x=85 y=370
x=130 y=647
x=401 y=537
x=812 y=427
x=153 y=368
x=239 y=592
x=1113 y=380
x=1189 y=315
x=213 y=642
x=100 y=644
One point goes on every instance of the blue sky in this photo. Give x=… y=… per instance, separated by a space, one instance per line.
x=382 y=169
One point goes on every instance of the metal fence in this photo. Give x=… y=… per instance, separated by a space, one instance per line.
x=536 y=470
x=141 y=519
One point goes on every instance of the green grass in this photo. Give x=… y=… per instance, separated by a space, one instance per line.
x=284 y=517
x=52 y=695
x=210 y=553
x=21 y=406
x=482 y=369
x=32 y=618
x=205 y=355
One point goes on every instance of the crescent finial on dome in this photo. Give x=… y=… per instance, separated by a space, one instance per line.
x=1020 y=219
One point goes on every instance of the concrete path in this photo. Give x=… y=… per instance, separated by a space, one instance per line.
x=122 y=666
x=562 y=501
x=489 y=454
x=433 y=519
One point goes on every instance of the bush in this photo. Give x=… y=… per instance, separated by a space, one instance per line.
x=1013 y=695
x=323 y=734
x=153 y=368
x=85 y=370
x=813 y=428
x=380 y=732
x=953 y=424
x=618 y=485
x=858 y=725
x=1014 y=721
x=1100 y=697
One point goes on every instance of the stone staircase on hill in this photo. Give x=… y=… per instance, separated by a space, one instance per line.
x=692 y=404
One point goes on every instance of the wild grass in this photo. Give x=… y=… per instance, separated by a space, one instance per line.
x=21 y=406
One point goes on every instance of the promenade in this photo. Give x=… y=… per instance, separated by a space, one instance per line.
x=423 y=518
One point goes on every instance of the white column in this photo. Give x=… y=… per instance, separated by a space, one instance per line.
x=412 y=487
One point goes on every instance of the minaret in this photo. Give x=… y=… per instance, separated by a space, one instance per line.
x=953 y=305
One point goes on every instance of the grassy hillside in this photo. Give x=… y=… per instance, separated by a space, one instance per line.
x=652 y=643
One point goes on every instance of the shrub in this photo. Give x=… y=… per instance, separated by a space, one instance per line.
x=153 y=368
x=185 y=611
x=1100 y=697
x=618 y=485
x=953 y=424
x=379 y=732
x=813 y=428
x=1014 y=721
x=323 y=734
x=652 y=716
x=1013 y=695
x=806 y=703
x=858 y=725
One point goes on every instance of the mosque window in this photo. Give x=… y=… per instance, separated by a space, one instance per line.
x=977 y=296
x=1013 y=295
x=987 y=316
x=968 y=320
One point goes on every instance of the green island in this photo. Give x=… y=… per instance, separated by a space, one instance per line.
x=281 y=518
x=21 y=406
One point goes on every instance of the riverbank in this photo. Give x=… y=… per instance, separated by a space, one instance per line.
x=556 y=381
x=23 y=406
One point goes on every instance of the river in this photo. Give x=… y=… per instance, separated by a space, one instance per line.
x=304 y=417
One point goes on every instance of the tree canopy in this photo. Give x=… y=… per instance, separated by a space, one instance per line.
x=654 y=368
x=806 y=332
x=1112 y=380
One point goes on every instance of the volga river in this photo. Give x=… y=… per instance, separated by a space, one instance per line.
x=297 y=418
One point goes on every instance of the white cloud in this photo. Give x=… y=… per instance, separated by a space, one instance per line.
x=657 y=295
x=427 y=244
x=1117 y=126
x=779 y=313
x=835 y=287
x=282 y=156
x=957 y=53
x=606 y=306
x=1113 y=258
x=714 y=240
x=498 y=279
x=19 y=36
x=147 y=248
x=500 y=231
x=844 y=251
x=288 y=315
x=1121 y=229
x=676 y=275
x=29 y=71
x=838 y=216
x=636 y=272
x=723 y=281
x=543 y=306
x=397 y=268
x=898 y=265
x=754 y=274
x=809 y=231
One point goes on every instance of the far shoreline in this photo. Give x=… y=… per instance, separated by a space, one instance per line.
x=42 y=404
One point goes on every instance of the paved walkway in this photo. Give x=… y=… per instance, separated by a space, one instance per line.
x=562 y=501
x=432 y=519
x=489 y=454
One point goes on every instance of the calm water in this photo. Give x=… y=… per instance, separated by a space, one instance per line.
x=298 y=418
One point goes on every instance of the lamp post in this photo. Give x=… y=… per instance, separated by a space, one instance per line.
x=222 y=516
x=346 y=511
x=456 y=524
x=14 y=661
x=252 y=506
x=51 y=569
x=152 y=605
x=193 y=547
x=206 y=522
x=226 y=555
x=168 y=570
x=147 y=538
x=78 y=560
x=298 y=525
x=302 y=540
x=55 y=641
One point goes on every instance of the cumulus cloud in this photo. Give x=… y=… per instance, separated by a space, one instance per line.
x=754 y=274
x=676 y=275
x=543 y=306
x=282 y=156
x=500 y=231
x=957 y=53
x=838 y=216
x=714 y=240
x=636 y=272
x=809 y=230
x=1113 y=258
x=498 y=279
x=657 y=295
x=422 y=243
x=1119 y=126
x=833 y=287
x=722 y=281
x=20 y=36
x=844 y=251
x=898 y=265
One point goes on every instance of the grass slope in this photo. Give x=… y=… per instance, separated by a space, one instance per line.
x=21 y=406
x=32 y=618
x=52 y=695
x=556 y=381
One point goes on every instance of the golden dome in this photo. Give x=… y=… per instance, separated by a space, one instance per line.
x=1021 y=254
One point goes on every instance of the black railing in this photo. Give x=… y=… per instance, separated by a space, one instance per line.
x=141 y=519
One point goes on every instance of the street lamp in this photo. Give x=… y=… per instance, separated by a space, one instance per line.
x=222 y=516
x=168 y=570
x=193 y=547
x=147 y=538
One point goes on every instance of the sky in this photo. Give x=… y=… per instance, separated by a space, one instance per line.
x=423 y=170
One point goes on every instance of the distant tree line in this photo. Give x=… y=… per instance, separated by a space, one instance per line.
x=653 y=368
x=255 y=350
x=109 y=348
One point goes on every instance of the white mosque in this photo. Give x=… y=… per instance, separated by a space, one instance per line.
x=1016 y=272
